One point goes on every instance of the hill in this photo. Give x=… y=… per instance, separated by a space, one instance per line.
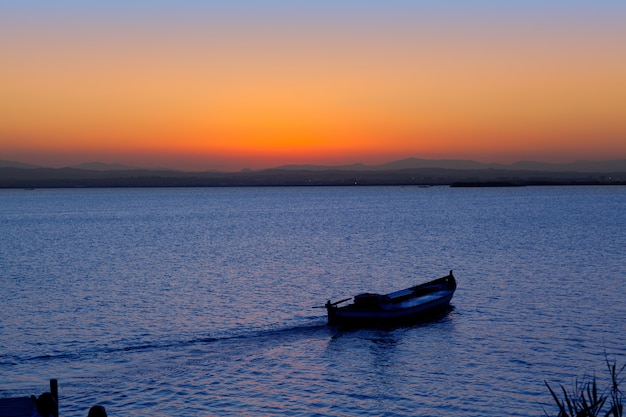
x=618 y=165
x=405 y=172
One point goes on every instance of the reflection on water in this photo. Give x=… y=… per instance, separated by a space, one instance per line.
x=198 y=301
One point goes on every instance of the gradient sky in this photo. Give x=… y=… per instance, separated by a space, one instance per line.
x=228 y=85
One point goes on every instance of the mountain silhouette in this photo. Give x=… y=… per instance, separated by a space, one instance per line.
x=411 y=171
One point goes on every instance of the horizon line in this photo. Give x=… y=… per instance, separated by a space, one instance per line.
x=112 y=166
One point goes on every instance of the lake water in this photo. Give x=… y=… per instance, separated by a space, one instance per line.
x=197 y=301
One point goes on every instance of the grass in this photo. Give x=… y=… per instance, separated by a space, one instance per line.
x=584 y=400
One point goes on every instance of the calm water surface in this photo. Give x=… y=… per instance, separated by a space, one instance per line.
x=178 y=302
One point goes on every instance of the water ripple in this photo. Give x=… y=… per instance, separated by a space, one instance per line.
x=198 y=301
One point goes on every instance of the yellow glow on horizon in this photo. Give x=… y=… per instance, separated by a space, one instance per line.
x=322 y=96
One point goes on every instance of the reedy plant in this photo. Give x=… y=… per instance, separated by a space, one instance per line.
x=585 y=401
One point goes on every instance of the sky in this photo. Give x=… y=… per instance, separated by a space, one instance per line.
x=228 y=85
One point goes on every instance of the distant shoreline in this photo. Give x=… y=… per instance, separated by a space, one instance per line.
x=531 y=184
x=14 y=178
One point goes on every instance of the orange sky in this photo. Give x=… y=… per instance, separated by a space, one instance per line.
x=199 y=88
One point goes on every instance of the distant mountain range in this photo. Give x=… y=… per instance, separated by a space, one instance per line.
x=92 y=166
x=616 y=165
x=410 y=171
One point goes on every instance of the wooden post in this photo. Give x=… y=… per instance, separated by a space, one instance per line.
x=54 y=390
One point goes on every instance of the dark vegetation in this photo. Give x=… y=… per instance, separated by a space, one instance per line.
x=585 y=400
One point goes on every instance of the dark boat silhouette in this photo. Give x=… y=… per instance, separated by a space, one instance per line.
x=412 y=303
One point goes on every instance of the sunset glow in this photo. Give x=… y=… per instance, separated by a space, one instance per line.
x=264 y=83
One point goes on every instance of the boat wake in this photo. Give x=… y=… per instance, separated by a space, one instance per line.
x=277 y=333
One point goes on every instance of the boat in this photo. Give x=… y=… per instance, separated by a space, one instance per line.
x=368 y=309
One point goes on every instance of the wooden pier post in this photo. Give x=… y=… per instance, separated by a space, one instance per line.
x=54 y=390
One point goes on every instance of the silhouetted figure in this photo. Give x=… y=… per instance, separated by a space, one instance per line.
x=97 y=411
x=45 y=405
